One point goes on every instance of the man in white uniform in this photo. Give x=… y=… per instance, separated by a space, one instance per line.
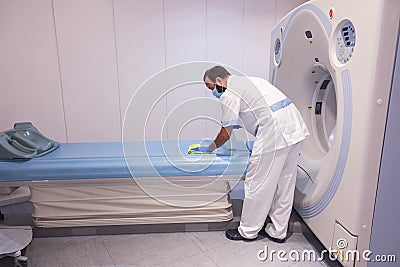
x=265 y=112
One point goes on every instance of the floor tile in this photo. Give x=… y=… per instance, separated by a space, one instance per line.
x=68 y=251
x=149 y=249
x=170 y=249
x=198 y=260
x=207 y=240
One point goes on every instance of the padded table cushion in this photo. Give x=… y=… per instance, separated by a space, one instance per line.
x=106 y=160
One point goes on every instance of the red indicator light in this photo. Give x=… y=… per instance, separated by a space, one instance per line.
x=331 y=12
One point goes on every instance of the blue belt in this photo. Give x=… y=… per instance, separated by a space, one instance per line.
x=281 y=104
x=277 y=106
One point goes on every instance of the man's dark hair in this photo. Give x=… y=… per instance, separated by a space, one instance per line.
x=214 y=72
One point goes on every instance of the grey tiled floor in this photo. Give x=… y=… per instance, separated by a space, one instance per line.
x=165 y=249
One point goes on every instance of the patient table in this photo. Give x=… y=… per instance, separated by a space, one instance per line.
x=94 y=184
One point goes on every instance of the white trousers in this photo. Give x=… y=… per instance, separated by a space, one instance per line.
x=269 y=190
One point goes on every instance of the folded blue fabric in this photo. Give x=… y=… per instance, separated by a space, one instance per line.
x=223 y=152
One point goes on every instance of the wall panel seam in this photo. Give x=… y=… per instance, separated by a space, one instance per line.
x=59 y=70
x=117 y=69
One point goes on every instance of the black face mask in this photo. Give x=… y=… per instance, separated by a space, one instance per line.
x=220 y=88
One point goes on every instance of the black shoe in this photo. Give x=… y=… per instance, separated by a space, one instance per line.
x=265 y=234
x=233 y=234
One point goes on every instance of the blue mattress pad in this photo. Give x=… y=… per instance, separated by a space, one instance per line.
x=124 y=160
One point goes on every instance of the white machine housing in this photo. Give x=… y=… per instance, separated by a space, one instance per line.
x=335 y=61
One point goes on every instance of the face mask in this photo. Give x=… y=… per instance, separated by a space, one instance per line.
x=220 y=87
x=216 y=93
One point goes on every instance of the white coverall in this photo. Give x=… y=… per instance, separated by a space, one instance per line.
x=278 y=127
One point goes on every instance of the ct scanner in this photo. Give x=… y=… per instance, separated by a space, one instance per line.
x=336 y=60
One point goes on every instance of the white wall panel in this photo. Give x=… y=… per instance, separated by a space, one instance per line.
x=225 y=32
x=185 y=31
x=259 y=19
x=86 y=39
x=29 y=75
x=185 y=35
x=140 y=39
x=224 y=42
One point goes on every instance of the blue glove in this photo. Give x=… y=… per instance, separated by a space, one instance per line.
x=205 y=149
x=198 y=149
